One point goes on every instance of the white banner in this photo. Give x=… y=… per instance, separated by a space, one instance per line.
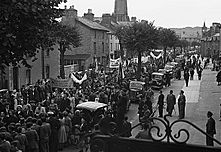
x=155 y=57
x=77 y=80
x=114 y=63
x=136 y=85
x=62 y=83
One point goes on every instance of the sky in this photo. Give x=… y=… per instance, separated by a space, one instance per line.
x=164 y=13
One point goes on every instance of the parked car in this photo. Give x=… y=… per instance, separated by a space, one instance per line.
x=158 y=80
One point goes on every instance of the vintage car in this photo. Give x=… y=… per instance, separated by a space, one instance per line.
x=158 y=80
x=136 y=88
x=91 y=110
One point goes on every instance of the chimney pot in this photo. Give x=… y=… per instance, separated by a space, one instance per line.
x=89 y=11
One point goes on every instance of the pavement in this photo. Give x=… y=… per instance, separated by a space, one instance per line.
x=202 y=96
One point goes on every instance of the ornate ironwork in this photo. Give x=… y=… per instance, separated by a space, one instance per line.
x=168 y=134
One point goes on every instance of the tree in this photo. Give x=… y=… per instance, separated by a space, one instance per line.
x=167 y=38
x=140 y=37
x=67 y=37
x=24 y=25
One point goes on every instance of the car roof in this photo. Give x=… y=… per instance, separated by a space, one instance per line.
x=157 y=73
x=91 y=105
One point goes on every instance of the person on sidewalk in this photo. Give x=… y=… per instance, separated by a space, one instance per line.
x=199 y=72
x=191 y=73
x=186 y=78
x=218 y=78
x=210 y=129
x=160 y=103
x=171 y=101
x=181 y=104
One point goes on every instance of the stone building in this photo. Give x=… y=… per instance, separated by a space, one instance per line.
x=210 y=42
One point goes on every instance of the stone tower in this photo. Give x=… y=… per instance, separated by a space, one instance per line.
x=120 y=11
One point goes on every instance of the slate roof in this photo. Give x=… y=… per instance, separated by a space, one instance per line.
x=91 y=24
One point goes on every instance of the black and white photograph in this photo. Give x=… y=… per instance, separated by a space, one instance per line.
x=110 y=75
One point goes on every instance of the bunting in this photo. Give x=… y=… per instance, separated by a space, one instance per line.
x=76 y=80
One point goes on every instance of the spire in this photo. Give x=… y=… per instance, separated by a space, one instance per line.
x=204 y=24
x=120 y=10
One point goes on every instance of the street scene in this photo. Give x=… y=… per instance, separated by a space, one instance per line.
x=116 y=78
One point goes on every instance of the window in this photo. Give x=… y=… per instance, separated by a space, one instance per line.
x=47 y=71
x=116 y=46
x=95 y=48
x=47 y=52
x=111 y=36
x=103 y=47
x=95 y=34
x=28 y=76
x=111 y=46
x=103 y=34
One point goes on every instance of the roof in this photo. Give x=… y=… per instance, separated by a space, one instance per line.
x=90 y=105
x=92 y=24
x=77 y=57
x=157 y=73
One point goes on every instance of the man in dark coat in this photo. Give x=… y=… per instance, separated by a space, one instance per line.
x=186 y=77
x=210 y=129
x=32 y=138
x=55 y=126
x=181 y=104
x=127 y=127
x=64 y=103
x=160 y=103
x=171 y=101
x=45 y=132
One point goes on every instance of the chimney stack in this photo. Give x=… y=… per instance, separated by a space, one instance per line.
x=133 y=19
x=70 y=16
x=89 y=15
x=106 y=20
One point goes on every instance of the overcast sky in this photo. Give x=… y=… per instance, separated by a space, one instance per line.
x=165 y=13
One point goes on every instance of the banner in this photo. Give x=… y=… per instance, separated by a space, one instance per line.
x=114 y=63
x=62 y=83
x=155 y=57
x=76 y=80
x=136 y=85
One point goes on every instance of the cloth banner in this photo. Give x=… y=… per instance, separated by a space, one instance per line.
x=155 y=57
x=76 y=80
x=62 y=83
x=114 y=63
x=136 y=85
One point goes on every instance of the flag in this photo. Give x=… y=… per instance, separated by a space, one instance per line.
x=96 y=65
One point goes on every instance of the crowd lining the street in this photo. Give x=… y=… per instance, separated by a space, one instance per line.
x=39 y=118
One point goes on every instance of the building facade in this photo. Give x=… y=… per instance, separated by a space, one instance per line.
x=210 y=42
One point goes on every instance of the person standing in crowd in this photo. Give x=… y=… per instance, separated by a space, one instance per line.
x=181 y=104
x=199 y=72
x=62 y=136
x=127 y=127
x=39 y=110
x=210 y=129
x=191 y=73
x=64 y=103
x=45 y=131
x=5 y=145
x=167 y=79
x=218 y=78
x=32 y=137
x=186 y=78
x=171 y=101
x=55 y=126
x=23 y=142
x=160 y=103
x=121 y=109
